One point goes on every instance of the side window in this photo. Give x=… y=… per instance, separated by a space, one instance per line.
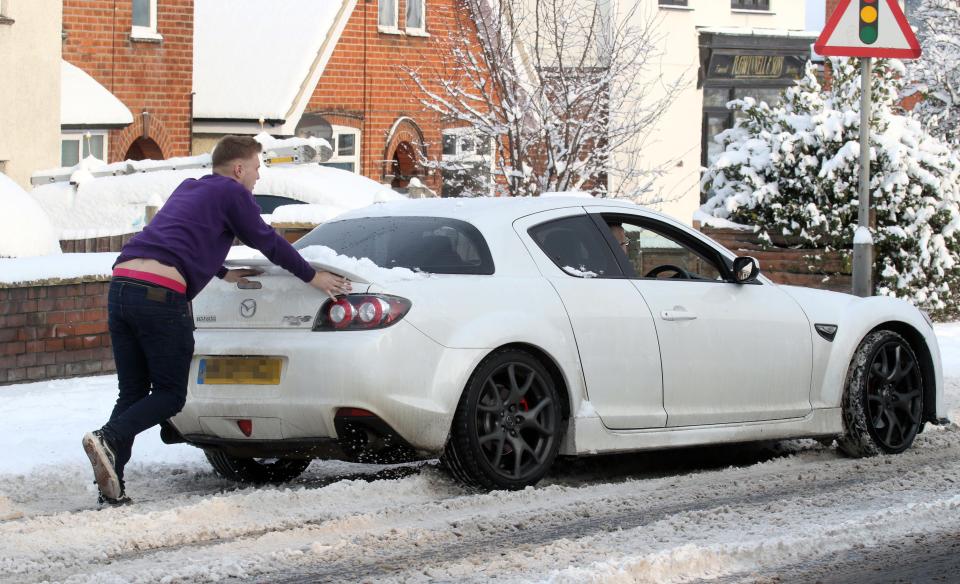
x=387 y=14
x=658 y=253
x=577 y=247
x=416 y=12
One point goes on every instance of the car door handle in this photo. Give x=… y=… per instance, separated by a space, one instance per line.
x=673 y=315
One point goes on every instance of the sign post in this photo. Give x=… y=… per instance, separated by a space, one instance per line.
x=863 y=241
x=866 y=29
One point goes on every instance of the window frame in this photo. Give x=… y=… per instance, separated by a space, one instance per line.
x=707 y=252
x=389 y=28
x=416 y=30
x=735 y=5
x=79 y=137
x=337 y=158
x=673 y=4
x=483 y=154
x=480 y=153
x=145 y=32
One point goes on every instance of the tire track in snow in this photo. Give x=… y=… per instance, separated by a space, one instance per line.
x=421 y=557
x=476 y=529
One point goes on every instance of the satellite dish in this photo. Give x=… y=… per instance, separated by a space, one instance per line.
x=316 y=126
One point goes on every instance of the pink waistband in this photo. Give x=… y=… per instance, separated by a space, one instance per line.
x=151 y=278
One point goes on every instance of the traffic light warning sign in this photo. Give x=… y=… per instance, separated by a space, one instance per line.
x=868 y=28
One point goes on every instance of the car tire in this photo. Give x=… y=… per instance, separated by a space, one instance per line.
x=507 y=428
x=883 y=397
x=256 y=470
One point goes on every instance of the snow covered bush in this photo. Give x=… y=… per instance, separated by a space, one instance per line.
x=793 y=171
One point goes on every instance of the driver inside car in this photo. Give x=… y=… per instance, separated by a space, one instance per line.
x=620 y=235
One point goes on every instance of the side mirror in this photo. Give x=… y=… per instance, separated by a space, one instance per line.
x=745 y=270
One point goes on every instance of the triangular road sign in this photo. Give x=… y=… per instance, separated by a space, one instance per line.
x=868 y=28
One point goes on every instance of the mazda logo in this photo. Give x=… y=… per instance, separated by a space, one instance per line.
x=248 y=308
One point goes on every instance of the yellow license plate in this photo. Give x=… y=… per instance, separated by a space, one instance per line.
x=239 y=371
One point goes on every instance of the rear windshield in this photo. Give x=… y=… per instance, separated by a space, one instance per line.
x=437 y=245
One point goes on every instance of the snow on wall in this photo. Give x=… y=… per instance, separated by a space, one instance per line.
x=25 y=229
x=67 y=266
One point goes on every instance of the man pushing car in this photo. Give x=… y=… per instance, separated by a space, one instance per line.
x=158 y=273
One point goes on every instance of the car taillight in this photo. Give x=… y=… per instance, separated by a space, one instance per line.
x=340 y=313
x=361 y=312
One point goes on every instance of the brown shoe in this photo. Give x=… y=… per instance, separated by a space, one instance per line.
x=103 y=460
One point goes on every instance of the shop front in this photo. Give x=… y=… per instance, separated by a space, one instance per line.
x=733 y=65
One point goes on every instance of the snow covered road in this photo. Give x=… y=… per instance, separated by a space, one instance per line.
x=790 y=511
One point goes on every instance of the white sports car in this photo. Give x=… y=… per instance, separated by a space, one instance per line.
x=529 y=329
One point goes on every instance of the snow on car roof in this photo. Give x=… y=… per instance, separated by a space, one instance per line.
x=115 y=205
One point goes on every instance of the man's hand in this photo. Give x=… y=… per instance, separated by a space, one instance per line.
x=331 y=284
x=240 y=275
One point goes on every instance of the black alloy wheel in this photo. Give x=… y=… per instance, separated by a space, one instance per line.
x=507 y=428
x=883 y=402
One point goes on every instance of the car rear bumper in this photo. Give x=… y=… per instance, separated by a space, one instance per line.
x=403 y=377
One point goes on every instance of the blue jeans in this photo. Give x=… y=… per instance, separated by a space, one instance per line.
x=151 y=329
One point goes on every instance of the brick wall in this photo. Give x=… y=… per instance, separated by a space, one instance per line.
x=152 y=76
x=364 y=85
x=812 y=268
x=54 y=330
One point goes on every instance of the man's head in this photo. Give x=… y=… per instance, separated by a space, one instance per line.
x=620 y=235
x=237 y=157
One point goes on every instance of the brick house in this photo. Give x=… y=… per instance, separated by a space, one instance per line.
x=334 y=69
x=141 y=52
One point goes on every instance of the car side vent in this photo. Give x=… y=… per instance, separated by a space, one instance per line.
x=827 y=331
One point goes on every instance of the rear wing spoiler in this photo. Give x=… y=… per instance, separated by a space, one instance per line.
x=268 y=266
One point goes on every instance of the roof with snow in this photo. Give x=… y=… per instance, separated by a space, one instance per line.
x=25 y=229
x=261 y=58
x=84 y=102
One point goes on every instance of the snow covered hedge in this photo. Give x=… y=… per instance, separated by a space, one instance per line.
x=793 y=170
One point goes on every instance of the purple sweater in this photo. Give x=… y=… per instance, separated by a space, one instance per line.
x=194 y=229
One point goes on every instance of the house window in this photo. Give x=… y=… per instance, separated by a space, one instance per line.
x=388 y=14
x=673 y=2
x=416 y=15
x=144 y=19
x=346 y=149
x=76 y=147
x=749 y=5
x=466 y=164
